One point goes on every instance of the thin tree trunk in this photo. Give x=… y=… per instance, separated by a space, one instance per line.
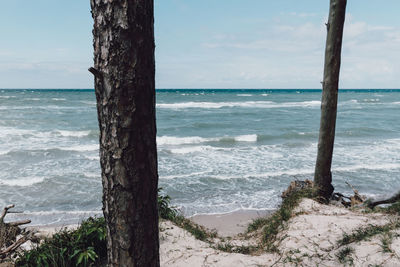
x=323 y=175
x=124 y=71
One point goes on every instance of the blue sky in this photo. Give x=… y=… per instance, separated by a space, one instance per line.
x=207 y=44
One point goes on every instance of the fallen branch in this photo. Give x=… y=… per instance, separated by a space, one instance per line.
x=372 y=204
x=357 y=198
x=9 y=232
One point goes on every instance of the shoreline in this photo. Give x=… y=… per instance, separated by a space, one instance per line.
x=225 y=224
x=230 y=223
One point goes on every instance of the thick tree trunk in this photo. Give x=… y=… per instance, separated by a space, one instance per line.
x=323 y=175
x=124 y=72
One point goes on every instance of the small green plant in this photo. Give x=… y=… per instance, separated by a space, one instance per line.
x=85 y=246
x=344 y=255
x=257 y=224
x=165 y=210
x=228 y=247
x=366 y=233
x=386 y=241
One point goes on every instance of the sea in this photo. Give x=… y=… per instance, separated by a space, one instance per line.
x=218 y=150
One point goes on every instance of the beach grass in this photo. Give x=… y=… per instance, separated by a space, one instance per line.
x=365 y=233
x=272 y=224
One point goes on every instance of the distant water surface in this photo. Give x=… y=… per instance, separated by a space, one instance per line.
x=219 y=150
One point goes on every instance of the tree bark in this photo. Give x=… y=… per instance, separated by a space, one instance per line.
x=124 y=71
x=323 y=175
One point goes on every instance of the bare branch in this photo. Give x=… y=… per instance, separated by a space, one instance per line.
x=17 y=223
x=4 y=213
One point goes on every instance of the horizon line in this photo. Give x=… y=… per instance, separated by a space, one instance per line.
x=207 y=89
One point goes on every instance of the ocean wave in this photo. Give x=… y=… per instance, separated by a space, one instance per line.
x=244 y=95
x=246 y=104
x=92 y=174
x=73 y=133
x=291 y=172
x=27 y=181
x=191 y=149
x=91 y=103
x=246 y=138
x=81 y=148
x=173 y=140
x=371 y=167
x=96 y=157
x=10 y=131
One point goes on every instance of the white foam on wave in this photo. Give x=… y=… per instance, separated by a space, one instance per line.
x=191 y=149
x=59 y=99
x=246 y=104
x=173 y=140
x=91 y=103
x=27 y=181
x=371 y=100
x=291 y=172
x=4 y=152
x=372 y=167
x=81 y=148
x=246 y=138
x=78 y=212
x=73 y=133
x=92 y=174
x=96 y=158
x=244 y=95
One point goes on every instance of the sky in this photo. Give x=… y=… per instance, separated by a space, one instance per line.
x=207 y=44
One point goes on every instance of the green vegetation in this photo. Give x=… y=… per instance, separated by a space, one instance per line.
x=85 y=246
x=273 y=223
x=196 y=230
x=227 y=247
x=386 y=241
x=366 y=233
x=165 y=210
x=392 y=209
x=344 y=255
x=168 y=212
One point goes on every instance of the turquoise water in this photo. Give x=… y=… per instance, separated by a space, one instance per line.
x=219 y=150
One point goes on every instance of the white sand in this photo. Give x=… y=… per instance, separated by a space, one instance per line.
x=310 y=239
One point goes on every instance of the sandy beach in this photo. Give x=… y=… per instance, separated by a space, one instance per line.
x=310 y=238
x=231 y=223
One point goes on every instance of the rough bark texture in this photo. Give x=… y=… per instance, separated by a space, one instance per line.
x=323 y=175
x=124 y=72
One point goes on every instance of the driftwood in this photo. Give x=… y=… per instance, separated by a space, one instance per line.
x=393 y=199
x=349 y=201
x=9 y=232
x=357 y=198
